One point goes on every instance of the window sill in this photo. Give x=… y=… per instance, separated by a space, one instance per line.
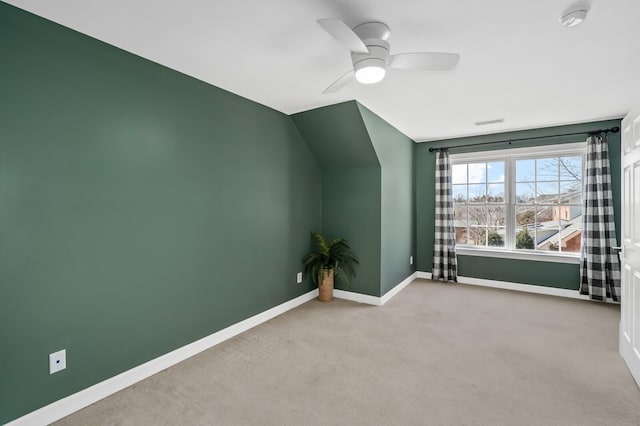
x=520 y=255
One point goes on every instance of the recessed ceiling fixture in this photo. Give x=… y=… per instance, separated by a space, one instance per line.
x=574 y=15
x=494 y=121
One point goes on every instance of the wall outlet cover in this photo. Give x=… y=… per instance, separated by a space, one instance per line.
x=57 y=361
x=299 y=277
x=410 y=260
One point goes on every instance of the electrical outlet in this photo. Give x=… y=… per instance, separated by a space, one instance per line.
x=410 y=260
x=57 y=361
x=299 y=277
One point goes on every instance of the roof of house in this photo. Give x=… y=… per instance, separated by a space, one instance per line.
x=575 y=226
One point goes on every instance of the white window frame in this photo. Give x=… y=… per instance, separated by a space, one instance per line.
x=509 y=156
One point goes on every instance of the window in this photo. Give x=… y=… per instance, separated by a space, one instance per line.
x=479 y=203
x=526 y=199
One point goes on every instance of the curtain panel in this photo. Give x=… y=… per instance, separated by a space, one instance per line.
x=444 y=250
x=600 y=266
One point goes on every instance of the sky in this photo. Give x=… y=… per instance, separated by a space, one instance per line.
x=553 y=177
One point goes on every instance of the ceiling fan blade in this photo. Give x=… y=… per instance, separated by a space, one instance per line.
x=345 y=35
x=340 y=83
x=424 y=61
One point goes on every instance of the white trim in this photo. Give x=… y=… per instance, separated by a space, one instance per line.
x=397 y=289
x=72 y=403
x=521 y=255
x=424 y=275
x=527 y=288
x=374 y=300
x=356 y=297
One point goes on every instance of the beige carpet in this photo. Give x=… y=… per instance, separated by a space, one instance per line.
x=436 y=354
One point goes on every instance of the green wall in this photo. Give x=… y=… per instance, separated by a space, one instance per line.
x=351 y=209
x=368 y=190
x=520 y=271
x=141 y=210
x=351 y=186
x=337 y=136
x=395 y=153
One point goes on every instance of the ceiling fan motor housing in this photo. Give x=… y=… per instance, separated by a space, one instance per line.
x=374 y=35
x=378 y=55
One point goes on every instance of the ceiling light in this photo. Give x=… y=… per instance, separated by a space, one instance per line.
x=370 y=75
x=370 y=70
x=574 y=15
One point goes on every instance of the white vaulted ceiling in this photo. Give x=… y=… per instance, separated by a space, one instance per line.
x=517 y=61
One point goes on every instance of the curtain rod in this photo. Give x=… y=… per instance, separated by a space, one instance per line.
x=590 y=132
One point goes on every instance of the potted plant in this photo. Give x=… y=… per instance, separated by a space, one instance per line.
x=329 y=260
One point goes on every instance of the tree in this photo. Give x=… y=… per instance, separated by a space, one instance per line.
x=524 y=240
x=526 y=218
x=494 y=239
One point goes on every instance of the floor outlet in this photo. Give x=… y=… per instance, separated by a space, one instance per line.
x=57 y=361
x=299 y=277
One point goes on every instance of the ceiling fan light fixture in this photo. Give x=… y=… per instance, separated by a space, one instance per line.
x=370 y=75
x=370 y=71
x=574 y=15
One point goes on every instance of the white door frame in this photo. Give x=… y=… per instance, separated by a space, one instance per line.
x=630 y=255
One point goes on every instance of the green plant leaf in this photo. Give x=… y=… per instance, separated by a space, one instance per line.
x=336 y=255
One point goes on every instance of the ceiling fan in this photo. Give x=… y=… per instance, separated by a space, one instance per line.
x=369 y=46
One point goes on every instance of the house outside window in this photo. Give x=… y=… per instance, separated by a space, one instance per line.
x=523 y=200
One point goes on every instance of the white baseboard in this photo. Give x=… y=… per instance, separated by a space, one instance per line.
x=528 y=288
x=424 y=275
x=397 y=289
x=356 y=297
x=72 y=403
x=374 y=300
x=538 y=289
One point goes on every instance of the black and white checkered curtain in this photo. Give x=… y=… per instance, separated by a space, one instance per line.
x=444 y=250
x=600 y=267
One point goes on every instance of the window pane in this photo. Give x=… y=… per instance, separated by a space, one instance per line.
x=461 y=235
x=495 y=193
x=547 y=169
x=496 y=237
x=566 y=213
x=544 y=214
x=459 y=193
x=477 y=172
x=571 y=242
x=547 y=233
x=459 y=173
x=525 y=239
x=525 y=215
x=525 y=192
x=547 y=192
x=525 y=170
x=477 y=235
x=495 y=171
x=570 y=192
x=477 y=216
x=460 y=222
x=460 y=214
x=477 y=193
x=496 y=216
x=571 y=168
